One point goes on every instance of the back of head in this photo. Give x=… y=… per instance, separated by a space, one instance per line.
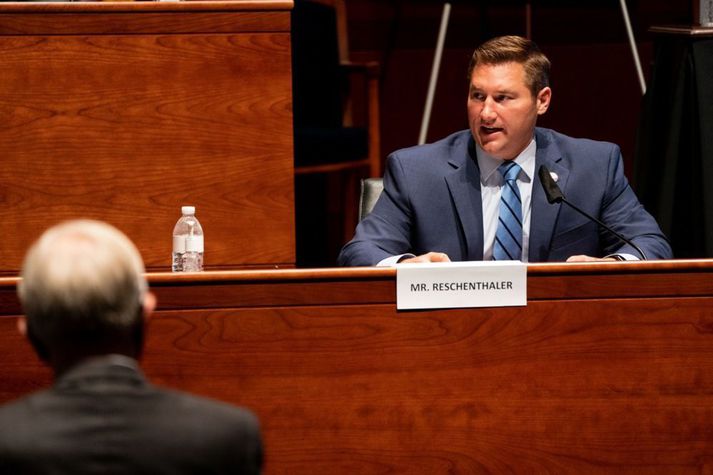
x=514 y=49
x=82 y=290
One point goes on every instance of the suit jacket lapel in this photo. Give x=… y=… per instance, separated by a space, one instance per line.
x=544 y=215
x=464 y=186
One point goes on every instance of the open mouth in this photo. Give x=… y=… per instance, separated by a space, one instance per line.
x=490 y=130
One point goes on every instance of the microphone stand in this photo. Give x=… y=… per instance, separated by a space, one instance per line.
x=562 y=199
x=554 y=195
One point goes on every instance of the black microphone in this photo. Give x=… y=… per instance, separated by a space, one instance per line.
x=554 y=195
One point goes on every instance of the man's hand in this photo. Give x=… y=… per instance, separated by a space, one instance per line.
x=429 y=257
x=583 y=258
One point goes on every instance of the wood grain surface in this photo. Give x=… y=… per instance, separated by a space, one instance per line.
x=126 y=125
x=614 y=379
x=68 y=22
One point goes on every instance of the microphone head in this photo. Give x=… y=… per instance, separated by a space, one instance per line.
x=552 y=191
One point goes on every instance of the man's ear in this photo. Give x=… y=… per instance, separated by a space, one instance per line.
x=149 y=304
x=22 y=326
x=543 y=100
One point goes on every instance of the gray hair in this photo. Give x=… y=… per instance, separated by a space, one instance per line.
x=82 y=279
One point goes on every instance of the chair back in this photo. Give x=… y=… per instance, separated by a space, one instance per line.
x=371 y=189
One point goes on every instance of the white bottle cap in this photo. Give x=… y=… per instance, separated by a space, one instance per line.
x=188 y=210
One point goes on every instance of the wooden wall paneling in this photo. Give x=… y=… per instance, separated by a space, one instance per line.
x=125 y=115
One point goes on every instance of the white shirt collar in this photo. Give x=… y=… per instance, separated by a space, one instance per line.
x=489 y=164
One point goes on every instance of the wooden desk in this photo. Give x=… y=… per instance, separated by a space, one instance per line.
x=609 y=369
x=123 y=112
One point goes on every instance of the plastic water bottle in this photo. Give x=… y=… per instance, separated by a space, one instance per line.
x=187 y=242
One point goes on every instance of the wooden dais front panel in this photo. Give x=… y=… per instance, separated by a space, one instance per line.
x=608 y=369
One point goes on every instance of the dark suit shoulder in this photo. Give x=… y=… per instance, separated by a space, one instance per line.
x=19 y=410
x=201 y=408
x=20 y=427
x=155 y=430
x=215 y=430
x=441 y=151
x=570 y=145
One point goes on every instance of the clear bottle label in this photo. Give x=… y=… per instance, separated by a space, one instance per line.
x=194 y=243
x=179 y=244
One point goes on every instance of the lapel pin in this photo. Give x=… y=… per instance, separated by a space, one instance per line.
x=554 y=176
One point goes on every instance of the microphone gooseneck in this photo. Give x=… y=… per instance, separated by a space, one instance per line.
x=554 y=195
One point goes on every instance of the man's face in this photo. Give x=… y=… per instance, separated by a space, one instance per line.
x=501 y=109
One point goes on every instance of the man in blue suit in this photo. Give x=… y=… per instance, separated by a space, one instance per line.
x=442 y=201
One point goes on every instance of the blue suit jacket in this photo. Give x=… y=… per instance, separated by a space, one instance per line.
x=432 y=202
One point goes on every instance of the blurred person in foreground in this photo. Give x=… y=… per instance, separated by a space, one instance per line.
x=85 y=300
x=445 y=201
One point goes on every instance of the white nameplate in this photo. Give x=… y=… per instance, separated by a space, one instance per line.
x=461 y=284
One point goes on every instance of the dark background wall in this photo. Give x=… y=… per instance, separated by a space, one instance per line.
x=596 y=90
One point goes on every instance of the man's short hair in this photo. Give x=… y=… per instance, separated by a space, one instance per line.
x=509 y=49
x=82 y=284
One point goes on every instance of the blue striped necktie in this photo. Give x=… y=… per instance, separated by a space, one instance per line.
x=508 y=237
